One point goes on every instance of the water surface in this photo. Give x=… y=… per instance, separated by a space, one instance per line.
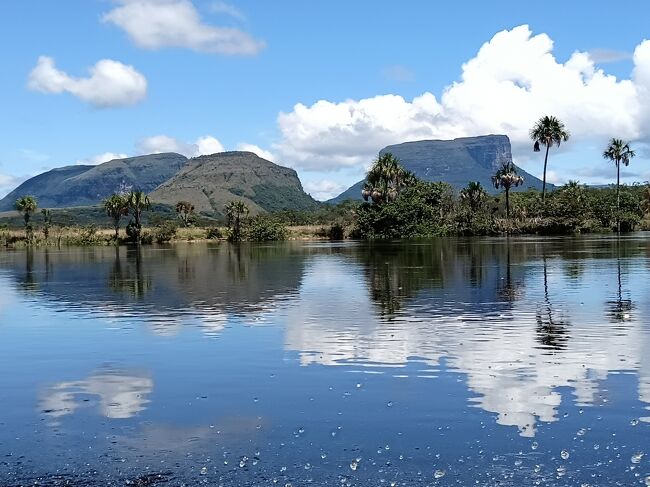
x=489 y=362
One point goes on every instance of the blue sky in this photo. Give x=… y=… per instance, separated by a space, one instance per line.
x=220 y=75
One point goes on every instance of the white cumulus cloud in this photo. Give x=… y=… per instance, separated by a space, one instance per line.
x=512 y=81
x=255 y=149
x=164 y=143
x=101 y=158
x=324 y=189
x=155 y=24
x=109 y=84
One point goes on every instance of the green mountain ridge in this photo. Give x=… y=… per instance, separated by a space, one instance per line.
x=211 y=181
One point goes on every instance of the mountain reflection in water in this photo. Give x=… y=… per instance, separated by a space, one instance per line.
x=520 y=321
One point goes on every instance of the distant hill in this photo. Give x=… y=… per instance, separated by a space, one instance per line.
x=455 y=162
x=209 y=182
x=88 y=185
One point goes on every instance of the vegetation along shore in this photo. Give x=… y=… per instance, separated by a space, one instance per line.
x=396 y=204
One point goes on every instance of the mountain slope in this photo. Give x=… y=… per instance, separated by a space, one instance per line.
x=89 y=185
x=209 y=182
x=455 y=162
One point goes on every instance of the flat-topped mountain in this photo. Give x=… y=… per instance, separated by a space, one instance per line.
x=456 y=162
x=89 y=185
x=209 y=182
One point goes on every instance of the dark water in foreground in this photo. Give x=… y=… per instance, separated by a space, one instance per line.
x=455 y=362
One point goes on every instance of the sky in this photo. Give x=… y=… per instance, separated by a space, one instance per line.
x=320 y=86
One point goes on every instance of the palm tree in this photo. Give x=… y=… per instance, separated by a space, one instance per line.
x=386 y=179
x=507 y=178
x=47 y=222
x=137 y=202
x=548 y=131
x=236 y=211
x=27 y=205
x=116 y=206
x=618 y=152
x=474 y=195
x=185 y=211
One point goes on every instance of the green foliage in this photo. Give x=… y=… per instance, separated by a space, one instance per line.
x=137 y=202
x=185 y=212
x=116 y=206
x=236 y=213
x=261 y=229
x=164 y=231
x=214 y=233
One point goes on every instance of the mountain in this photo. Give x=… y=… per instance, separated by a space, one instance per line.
x=89 y=185
x=455 y=162
x=209 y=182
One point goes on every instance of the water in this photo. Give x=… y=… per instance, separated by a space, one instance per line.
x=488 y=362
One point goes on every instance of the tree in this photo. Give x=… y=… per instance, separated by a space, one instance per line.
x=620 y=153
x=386 y=179
x=47 y=222
x=507 y=178
x=137 y=202
x=645 y=200
x=473 y=195
x=548 y=131
x=236 y=211
x=27 y=205
x=116 y=207
x=185 y=211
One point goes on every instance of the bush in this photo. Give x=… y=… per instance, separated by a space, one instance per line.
x=262 y=229
x=214 y=233
x=164 y=232
x=336 y=232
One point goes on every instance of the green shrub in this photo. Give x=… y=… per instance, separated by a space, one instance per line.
x=164 y=232
x=261 y=229
x=214 y=233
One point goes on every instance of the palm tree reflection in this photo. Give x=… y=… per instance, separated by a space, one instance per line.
x=619 y=309
x=130 y=278
x=551 y=332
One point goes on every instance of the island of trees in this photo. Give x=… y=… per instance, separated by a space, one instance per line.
x=396 y=205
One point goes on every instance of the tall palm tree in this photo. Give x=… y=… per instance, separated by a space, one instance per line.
x=620 y=153
x=474 y=195
x=506 y=177
x=47 y=222
x=137 y=202
x=185 y=211
x=386 y=179
x=27 y=205
x=548 y=131
x=236 y=211
x=116 y=206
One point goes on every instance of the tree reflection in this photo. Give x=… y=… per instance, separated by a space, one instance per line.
x=620 y=308
x=131 y=278
x=551 y=332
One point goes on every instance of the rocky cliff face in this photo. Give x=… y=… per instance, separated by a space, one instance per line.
x=209 y=182
x=89 y=185
x=455 y=162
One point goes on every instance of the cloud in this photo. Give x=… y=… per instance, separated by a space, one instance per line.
x=8 y=182
x=164 y=143
x=397 y=72
x=155 y=24
x=101 y=158
x=512 y=81
x=227 y=9
x=110 y=83
x=264 y=154
x=324 y=189
x=602 y=56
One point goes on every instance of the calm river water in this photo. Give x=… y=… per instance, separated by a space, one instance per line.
x=490 y=362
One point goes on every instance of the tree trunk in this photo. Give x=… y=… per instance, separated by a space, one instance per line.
x=548 y=146
x=507 y=203
x=618 y=197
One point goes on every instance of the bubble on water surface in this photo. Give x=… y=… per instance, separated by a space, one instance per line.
x=565 y=454
x=389 y=404
x=204 y=470
x=637 y=457
x=438 y=474
x=634 y=422
x=534 y=445
x=354 y=464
